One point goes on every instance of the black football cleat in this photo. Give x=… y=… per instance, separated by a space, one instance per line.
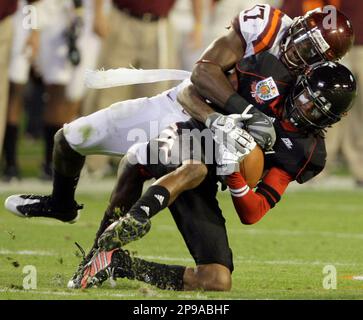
x=123 y=231
x=29 y=206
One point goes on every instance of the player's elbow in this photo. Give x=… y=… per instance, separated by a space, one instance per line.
x=249 y=219
x=201 y=75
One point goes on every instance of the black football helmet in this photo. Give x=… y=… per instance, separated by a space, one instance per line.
x=313 y=38
x=321 y=97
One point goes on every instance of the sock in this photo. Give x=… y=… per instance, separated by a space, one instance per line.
x=49 y=132
x=10 y=145
x=64 y=189
x=155 y=199
x=163 y=276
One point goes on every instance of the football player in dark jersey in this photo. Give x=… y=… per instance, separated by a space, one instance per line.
x=318 y=100
x=262 y=33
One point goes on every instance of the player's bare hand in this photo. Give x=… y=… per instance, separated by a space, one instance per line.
x=32 y=45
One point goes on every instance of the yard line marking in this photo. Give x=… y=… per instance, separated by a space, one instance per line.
x=65 y=293
x=241 y=260
x=28 y=252
x=298 y=262
x=297 y=233
x=278 y=232
x=113 y=295
x=238 y=260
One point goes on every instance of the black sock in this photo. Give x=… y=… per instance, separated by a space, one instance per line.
x=64 y=189
x=10 y=145
x=49 y=132
x=155 y=199
x=163 y=276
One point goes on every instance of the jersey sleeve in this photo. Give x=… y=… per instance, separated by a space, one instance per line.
x=251 y=205
x=258 y=27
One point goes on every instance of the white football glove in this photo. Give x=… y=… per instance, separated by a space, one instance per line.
x=227 y=162
x=228 y=158
x=227 y=131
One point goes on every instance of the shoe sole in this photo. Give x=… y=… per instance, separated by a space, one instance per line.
x=11 y=206
x=122 y=232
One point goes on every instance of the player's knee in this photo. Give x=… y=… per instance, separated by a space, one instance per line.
x=60 y=142
x=222 y=281
x=215 y=277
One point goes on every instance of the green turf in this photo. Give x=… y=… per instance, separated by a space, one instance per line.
x=281 y=257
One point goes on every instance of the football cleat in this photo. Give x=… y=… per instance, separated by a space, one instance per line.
x=102 y=266
x=123 y=231
x=29 y=206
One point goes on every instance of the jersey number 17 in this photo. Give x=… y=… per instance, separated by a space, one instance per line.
x=257 y=16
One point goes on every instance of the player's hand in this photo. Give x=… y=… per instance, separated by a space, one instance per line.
x=227 y=161
x=260 y=127
x=227 y=132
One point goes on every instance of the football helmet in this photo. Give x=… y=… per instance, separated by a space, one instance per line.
x=323 y=34
x=321 y=97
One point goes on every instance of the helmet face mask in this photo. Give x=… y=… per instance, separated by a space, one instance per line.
x=309 y=109
x=320 y=98
x=310 y=41
x=300 y=50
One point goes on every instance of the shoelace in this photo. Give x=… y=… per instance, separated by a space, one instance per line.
x=81 y=250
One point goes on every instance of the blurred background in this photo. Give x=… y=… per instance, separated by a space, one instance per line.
x=46 y=46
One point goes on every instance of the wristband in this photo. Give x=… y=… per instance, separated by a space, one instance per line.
x=235 y=104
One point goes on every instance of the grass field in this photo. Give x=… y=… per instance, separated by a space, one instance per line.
x=281 y=257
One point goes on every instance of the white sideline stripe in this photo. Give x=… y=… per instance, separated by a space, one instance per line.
x=27 y=252
x=255 y=261
x=65 y=293
x=89 y=185
x=238 y=260
x=114 y=295
x=279 y=232
x=296 y=233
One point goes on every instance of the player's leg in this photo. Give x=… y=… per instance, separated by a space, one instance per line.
x=54 y=117
x=202 y=226
x=118 y=263
x=109 y=131
x=126 y=192
x=15 y=107
x=172 y=159
x=157 y=197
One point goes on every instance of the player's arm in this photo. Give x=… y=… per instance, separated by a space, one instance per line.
x=251 y=205
x=198 y=109
x=209 y=76
x=194 y=104
x=211 y=83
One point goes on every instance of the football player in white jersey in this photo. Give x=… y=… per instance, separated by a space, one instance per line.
x=298 y=44
x=47 y=47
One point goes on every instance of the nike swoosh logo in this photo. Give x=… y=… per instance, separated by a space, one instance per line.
x=261 y=122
